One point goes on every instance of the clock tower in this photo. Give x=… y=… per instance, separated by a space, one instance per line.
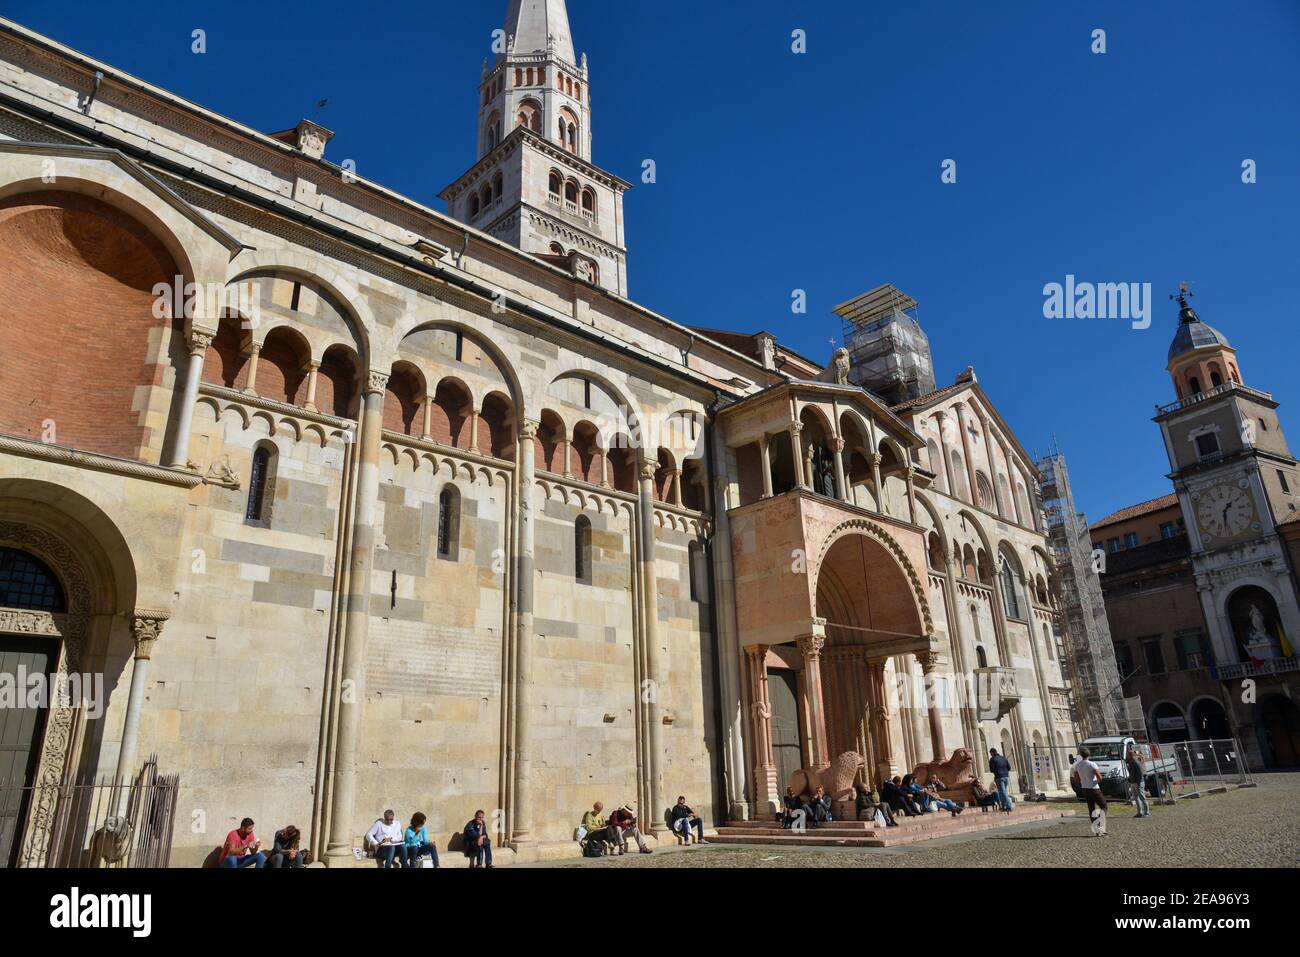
x=1236 y=482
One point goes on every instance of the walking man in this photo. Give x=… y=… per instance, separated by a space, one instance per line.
x=1088 y=776
x=1000 y=768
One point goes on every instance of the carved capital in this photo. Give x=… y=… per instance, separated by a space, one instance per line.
x=528 y=429
x=929 y=661
x=146 y=629
x=874 y=459
x=197 y=342
x=795 y=428
x=376 y=382
x=837 y=445
x=648 y=470
x=810 y=646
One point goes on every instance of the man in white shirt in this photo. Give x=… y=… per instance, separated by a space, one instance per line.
x=1088 y=777
x=386 y=839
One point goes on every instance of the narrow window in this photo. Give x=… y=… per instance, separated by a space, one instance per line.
x=258 y=477
x=586 y=393
x=981 y=656
x=1009 y=595
x=1281 y=477
x=448 y=523
x=694 y=568
x=582 y=550
x=460 y=346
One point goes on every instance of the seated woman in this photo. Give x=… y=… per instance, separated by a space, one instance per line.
x=285 y=851
x=868 y=806
x=984 y=798
x=919 y=795
x=417 y=842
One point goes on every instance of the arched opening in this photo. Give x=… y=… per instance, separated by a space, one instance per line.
x=818 y=463
x=781 y=459
x=1256 y=625
x=664 y=476
x=934 y=552
x=225 y=362
x=1013 y=584
x=555 y=184
x=261 y=485
x=496 y=427
x=1280 y=723
x=449 y=523
x=282 y=366
x=582 y=550
x=693 y=479
x=984 y=487
x=404 y=400
x=27 y=583
x=959 y=478
x=77 y=305
x=1170 y=725
x=337 y=382
x=550 y=443
x=450 y=413
x=585 y=455
x=623 y=465
x=1209 y=721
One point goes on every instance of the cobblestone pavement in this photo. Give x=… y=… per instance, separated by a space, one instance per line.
x=1249 y=827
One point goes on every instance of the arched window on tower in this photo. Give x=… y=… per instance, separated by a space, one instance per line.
x=582 y=550
x=555 y=184
x=449 y=524
x=1196 y=385
x=261 y=486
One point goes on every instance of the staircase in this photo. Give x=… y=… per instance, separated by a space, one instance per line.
x=865 y=833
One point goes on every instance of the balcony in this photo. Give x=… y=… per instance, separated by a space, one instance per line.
x=1248 y=669
x=996 y=690
x=1227 y=387
x=571 y=209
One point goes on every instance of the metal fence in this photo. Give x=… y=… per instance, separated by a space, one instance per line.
x=1173 y=770
x=95 y=822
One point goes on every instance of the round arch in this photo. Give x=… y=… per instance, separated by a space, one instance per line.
x=888 y=546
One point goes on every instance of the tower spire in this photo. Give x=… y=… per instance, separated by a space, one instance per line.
x=540 y=27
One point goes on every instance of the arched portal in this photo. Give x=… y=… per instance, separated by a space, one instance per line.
x=1280 y=717
x=866 y=594
x=1209 y=721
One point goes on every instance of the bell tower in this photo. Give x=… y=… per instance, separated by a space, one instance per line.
x=1236 y=482
x=534 y=184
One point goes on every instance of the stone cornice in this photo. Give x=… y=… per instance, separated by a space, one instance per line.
x=29 y=448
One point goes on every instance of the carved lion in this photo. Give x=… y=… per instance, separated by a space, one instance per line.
x=955 y=773
x=837 y=781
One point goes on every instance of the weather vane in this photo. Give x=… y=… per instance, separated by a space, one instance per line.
x=1184 y=290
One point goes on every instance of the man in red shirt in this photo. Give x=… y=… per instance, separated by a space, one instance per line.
x=242 y=848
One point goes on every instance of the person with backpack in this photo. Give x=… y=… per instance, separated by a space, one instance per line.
x=1000 y=768
x=1136 y=782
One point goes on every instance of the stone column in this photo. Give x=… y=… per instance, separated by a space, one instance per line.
x=313 y=369
x=810 y=646
x=196 y=346
x=357 y=622
x=970 y=462
x=879 y=485
x=677 y=487
x=911 y=494
x=567 y=470
x=146 y=629
x=841 y=487
x=878 y=696
x=604 y=468
x=765 y=454
x=767 y=790
x=942 y=419
x=473 y=431
x=796 y=455
x=522 y=823
x=250 y=388
x=426 y=429
x=929 y=661
x=650 y=593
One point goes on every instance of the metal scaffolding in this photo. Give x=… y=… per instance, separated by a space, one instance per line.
x=888 y=351
x=1090 y=653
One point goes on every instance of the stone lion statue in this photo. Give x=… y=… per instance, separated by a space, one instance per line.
x=841 y=365
x=837 y=781
x=111 y=843
x=957 y=774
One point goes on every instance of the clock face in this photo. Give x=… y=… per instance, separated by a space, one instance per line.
x=1225 y=510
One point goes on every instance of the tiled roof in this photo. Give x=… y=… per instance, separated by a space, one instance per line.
x=1138 y=510
x=929 y=397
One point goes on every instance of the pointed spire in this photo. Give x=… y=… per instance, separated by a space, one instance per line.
x=540 y=26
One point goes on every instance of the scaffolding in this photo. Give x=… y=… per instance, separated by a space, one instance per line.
x=1090 y=653
x=889 y=353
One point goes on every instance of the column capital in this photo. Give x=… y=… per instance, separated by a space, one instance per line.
x=198 y=340
x=810 y=646
x=648 y=470
x=929 y=661
x=838 y=444
x=146 y=629
x=376 y=382
x=756 y=651
x=528 y=429
x=874 y=459
x=795 y=428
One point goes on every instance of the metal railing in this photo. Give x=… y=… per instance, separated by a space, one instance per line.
x=94 y=822
x=1217 y=390
x=1205 y=765
x=1173 y=771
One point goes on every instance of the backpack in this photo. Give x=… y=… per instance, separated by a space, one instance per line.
x=592 y=849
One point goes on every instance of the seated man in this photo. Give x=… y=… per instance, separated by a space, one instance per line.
x=416 y=843
x=868 y=806
x=385 y=839
x=791 y=809
x=818 y=808
x=593 y=826
x=285 y=851
x=952 y=807
x=984 y=798
x=683 y=819
x=478 y=846
x=892 y=796
x=242 y=848
x=917 y=794
x=622 y=824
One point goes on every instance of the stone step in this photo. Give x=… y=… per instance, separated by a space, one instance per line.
x=866 y=834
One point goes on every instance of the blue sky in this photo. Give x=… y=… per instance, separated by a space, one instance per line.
x=821 y=171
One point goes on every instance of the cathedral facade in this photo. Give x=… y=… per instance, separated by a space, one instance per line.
x=354 y=504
